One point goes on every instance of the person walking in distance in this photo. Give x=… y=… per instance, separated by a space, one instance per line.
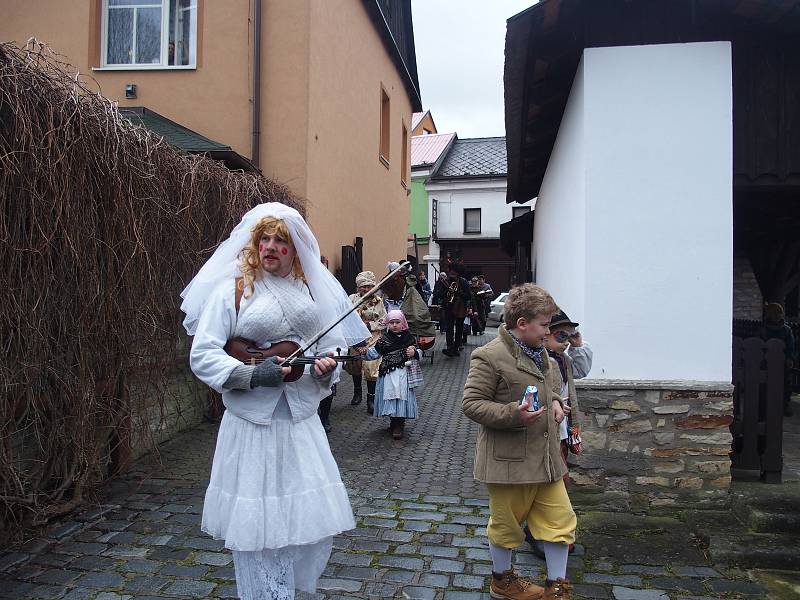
x=456 y=305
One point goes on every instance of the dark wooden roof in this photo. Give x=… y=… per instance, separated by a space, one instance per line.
x=392 y=19
x=544 y=45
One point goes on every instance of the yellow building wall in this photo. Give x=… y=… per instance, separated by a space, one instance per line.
x=351 y=191
x=425 y=123
x=213 y=99
x=323 y=64
x=285 y=35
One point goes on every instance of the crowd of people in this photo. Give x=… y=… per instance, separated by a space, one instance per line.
x=269 y=322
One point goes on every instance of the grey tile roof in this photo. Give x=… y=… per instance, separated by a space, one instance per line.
x=474 y=157
x=175 y=134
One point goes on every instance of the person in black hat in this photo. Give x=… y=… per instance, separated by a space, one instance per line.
x=579 y=351
x=456 y=305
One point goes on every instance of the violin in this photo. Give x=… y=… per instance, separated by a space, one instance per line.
x=249 y=353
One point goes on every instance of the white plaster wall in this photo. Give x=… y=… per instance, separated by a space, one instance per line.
x=559 y=228
x=656 y=162
x=454 y=196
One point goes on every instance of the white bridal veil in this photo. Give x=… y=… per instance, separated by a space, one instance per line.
x=329 y=296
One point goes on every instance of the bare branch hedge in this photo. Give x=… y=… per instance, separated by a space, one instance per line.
x=102 y=224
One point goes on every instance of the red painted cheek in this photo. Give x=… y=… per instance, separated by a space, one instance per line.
x=284 y=251
x=261 y=247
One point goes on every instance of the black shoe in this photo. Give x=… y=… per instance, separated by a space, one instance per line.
x=536 y=546
x=448 y=352
x=356 y=399
x=371 y=403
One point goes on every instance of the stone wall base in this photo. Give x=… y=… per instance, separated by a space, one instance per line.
x=185 y=403
x=651 y=444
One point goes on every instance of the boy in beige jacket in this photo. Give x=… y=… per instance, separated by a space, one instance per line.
x=518 y=453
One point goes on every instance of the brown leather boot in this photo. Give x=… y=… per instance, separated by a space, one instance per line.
x=510 y=586
x=560 y=588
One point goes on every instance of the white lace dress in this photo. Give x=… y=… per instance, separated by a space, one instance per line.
x=275 y=494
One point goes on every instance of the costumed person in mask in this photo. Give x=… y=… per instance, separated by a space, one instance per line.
x=275 y=495
x=373 y=313
x=395 y=396
x=439 y=292
x=400 y=293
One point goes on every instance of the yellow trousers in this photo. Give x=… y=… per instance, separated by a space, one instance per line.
x=545 y=506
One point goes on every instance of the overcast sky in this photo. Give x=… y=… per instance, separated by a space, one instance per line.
x=460 y=52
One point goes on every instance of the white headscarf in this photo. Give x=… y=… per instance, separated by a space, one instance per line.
x=328 y=294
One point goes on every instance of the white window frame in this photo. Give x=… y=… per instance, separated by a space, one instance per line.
x=165 y=21
x=480 y=219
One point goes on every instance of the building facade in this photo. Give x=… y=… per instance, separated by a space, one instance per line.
x=466 y=195
x=659 y=140
x=275 y=80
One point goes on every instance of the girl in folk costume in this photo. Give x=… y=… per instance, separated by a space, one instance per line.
x=373 y=313
x=275 y=495
x=399 y=373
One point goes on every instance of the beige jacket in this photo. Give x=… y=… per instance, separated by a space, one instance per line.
x=507 y=451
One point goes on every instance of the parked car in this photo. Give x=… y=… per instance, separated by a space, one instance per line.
x=496 y=312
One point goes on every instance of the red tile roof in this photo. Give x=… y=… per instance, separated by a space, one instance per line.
x=426 y=149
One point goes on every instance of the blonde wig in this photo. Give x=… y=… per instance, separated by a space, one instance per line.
x=251 y=259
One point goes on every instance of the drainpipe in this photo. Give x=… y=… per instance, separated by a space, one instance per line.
x=256 y=141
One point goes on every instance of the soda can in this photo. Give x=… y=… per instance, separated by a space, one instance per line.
x=531 y=394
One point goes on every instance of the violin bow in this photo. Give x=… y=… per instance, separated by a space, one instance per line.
x=300 y=351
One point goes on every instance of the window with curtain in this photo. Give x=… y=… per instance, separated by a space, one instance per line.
x=472 y=220
x=160 y=33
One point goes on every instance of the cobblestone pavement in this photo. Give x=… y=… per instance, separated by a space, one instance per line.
x=420 y=531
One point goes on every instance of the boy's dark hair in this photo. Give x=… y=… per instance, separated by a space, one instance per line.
x=527 y=301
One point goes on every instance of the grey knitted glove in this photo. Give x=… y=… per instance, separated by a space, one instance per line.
x=267 y=374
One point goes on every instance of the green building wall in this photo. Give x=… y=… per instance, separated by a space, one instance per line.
x=418 y=222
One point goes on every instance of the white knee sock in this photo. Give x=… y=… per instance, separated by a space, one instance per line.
x=556 y=555
x=501 y=558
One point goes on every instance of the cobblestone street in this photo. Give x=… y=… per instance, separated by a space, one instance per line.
x=420 y=533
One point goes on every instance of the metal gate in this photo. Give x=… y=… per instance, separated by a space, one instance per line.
x=757 y=427
x=352 y=265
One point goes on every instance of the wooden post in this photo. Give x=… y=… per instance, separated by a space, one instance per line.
x=746 y=462
x=772 y=456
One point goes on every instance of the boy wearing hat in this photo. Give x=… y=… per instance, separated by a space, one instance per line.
x=562 y=330
x=518 y=453
x=557 y=342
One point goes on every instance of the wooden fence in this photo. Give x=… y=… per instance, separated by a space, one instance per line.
x=745 y=328
x=757 y=428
